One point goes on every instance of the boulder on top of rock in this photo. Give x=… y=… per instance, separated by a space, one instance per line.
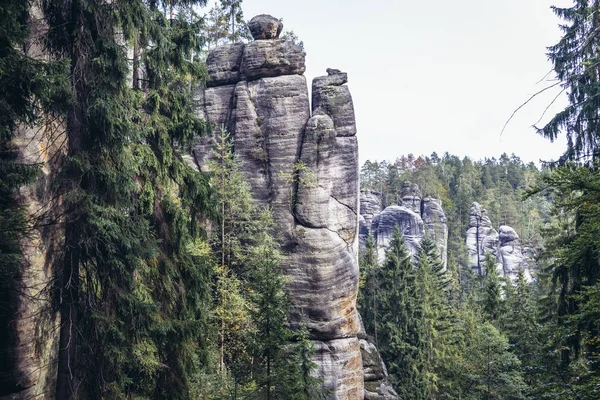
x=265 y=27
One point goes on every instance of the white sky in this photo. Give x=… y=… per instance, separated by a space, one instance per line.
x=433 y=75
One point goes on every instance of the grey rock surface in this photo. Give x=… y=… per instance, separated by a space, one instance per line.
x=370 y=206
x=481 y=238
x=377 y=385
x=411 y=196
x=265 y=27
x=503 y=244
x=511 y=255
x=223 y=65
x=426 y=217
x=331 y=97
x=434 y=220
x=410 y=225
x=269 y=58
x=216 y=109
x=306 y=169
x=30 y=323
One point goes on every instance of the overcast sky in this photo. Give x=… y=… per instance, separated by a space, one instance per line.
x=433 y=75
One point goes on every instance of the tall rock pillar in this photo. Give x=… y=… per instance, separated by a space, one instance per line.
x=258 y=93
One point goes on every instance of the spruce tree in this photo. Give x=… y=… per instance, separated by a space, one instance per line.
x=491 y=294
x=368 y=295
x=438 y=318
x=401 y=330
x=272 y=306
x=133 y=295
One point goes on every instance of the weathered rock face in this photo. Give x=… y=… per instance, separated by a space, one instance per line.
x=410 y=225
x=416 y=217
x=411 y=197
x=503 y=244
x=370 y=206
x=511 y=255
x=257 y=92
x=436 y=225
x=263 y=27
x=481 y=238
x=377 y=385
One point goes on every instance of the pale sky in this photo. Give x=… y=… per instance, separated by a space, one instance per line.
x=433 y=76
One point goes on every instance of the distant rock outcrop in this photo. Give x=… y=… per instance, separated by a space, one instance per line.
x=258 y=93
x=481 y=238
x=436 y=226
x=415 y=216
x=511 y=255
x=370 y=206
x=503 y=244
x=409 y=222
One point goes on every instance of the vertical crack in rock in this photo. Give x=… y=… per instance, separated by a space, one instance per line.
x=503 y=244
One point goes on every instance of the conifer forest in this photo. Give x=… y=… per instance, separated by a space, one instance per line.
x=184 y=216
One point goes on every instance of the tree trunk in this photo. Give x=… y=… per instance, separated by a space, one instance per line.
x=70 y=283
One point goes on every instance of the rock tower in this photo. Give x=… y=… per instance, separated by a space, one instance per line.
x=257 y=92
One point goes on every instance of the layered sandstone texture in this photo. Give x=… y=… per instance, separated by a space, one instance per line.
x=415 y=216
x=303 y=163
x=504 y=245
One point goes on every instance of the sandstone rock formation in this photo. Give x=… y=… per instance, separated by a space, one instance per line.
x=257 y=92
x=481 y=238
x=436 y=225
x=377 y=385
x=409 y=222
x=511 y=255
x=411 y=197
x=370 y=206
x=503 y=244
x=416 y=217
x=263 y=27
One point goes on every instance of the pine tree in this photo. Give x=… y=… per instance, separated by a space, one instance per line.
x=232 y=242
x=491 y=371
x=272 y=307
x=237 y=29
x=491 y=295
x=438 y=318
x=301 y=384
x=368 y=295
x=522 y=328
x=401 y=330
